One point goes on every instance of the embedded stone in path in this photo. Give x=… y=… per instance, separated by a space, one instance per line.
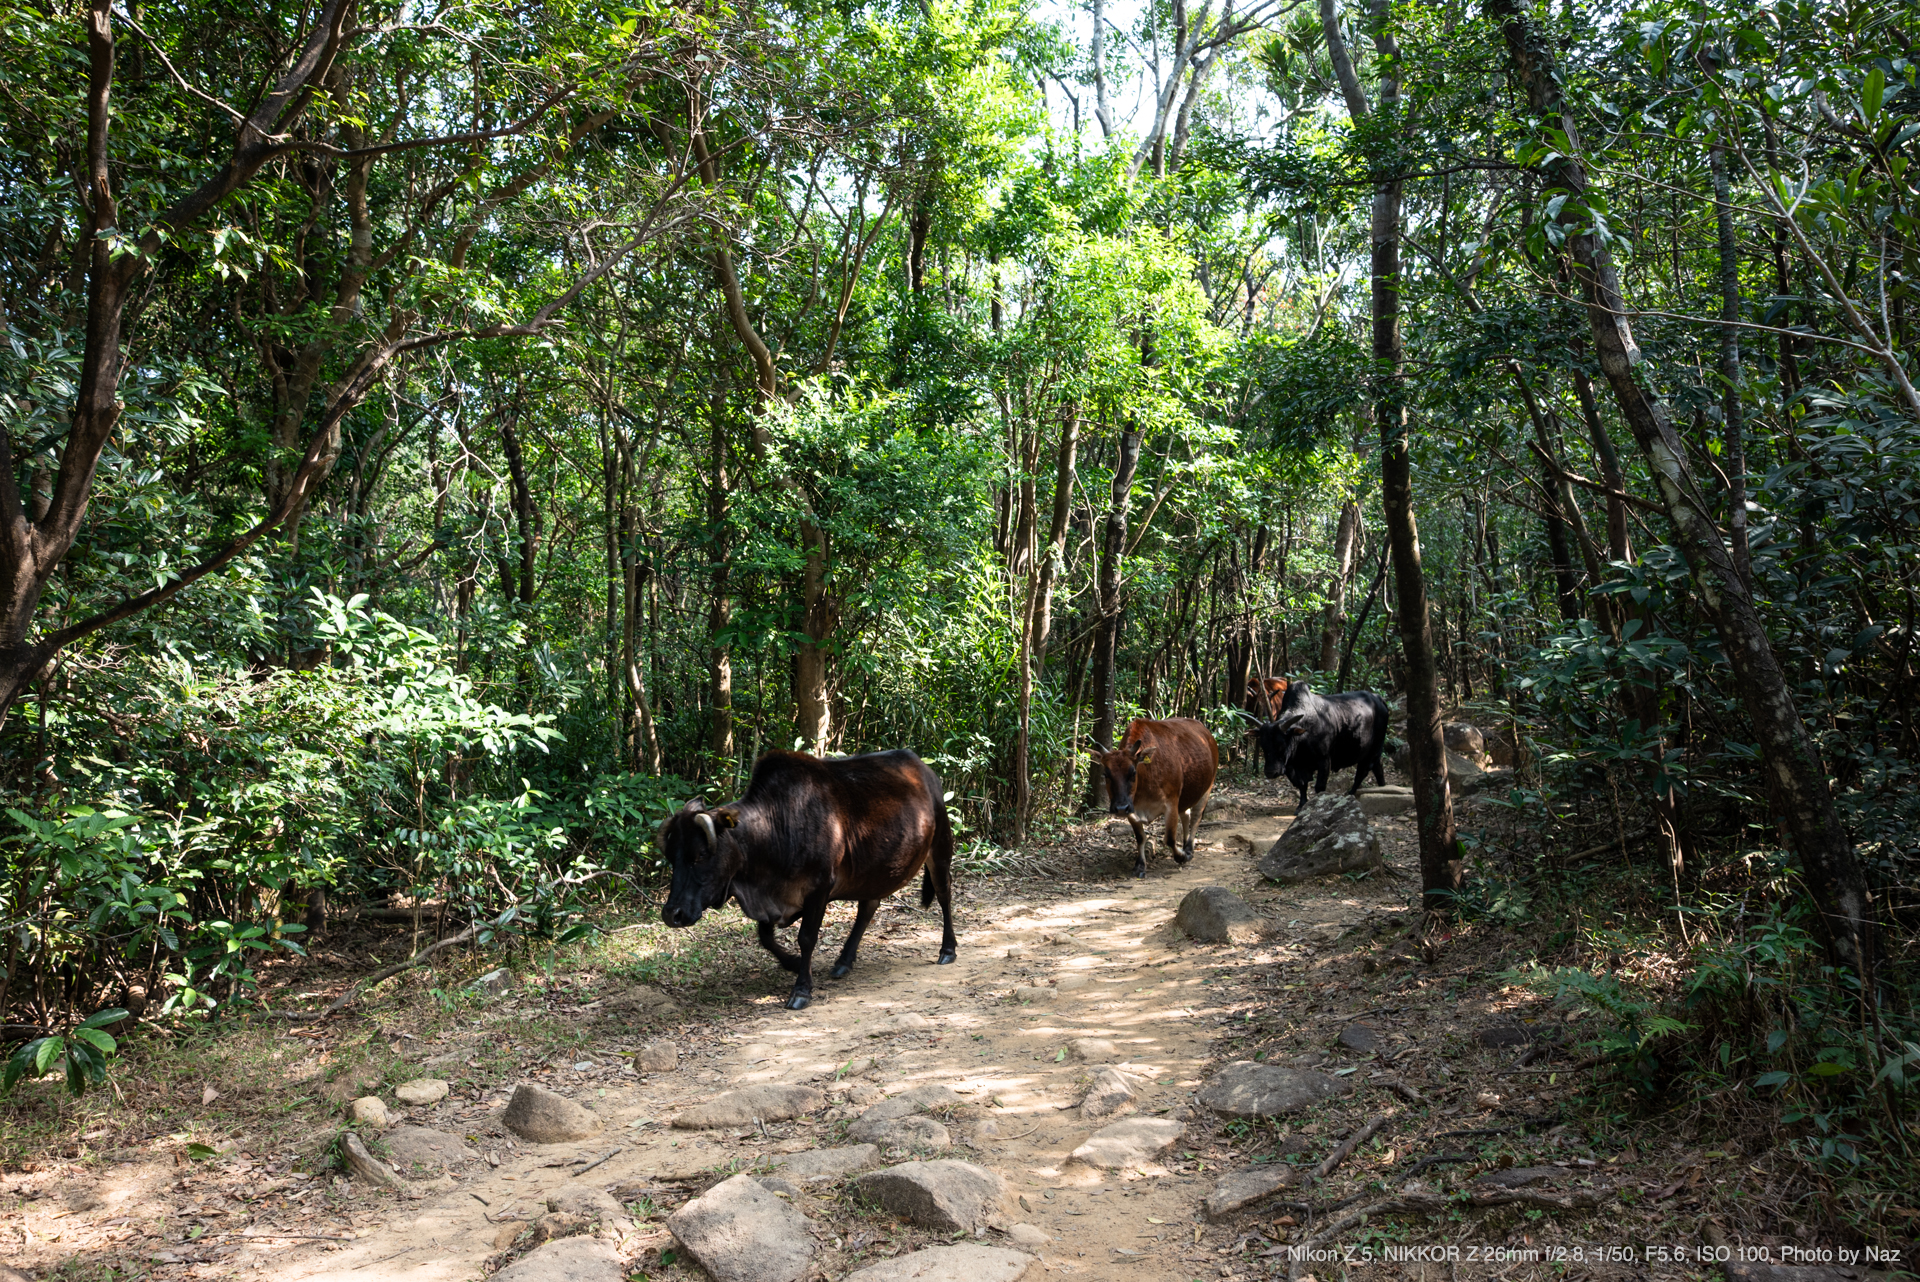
x=907 y=1103
x=739 y=1232
x=966 y=1262
x=1495 y=1036
x=414 y=1147
x=370 y=1110
x=1247 y=1089
x=1390 y=799
x=1360 y=1037
x=1330 y=835
x=591 y=1204
x=902 y=1133
x=903 y=1023
x=1215 y=915
x=1243 y=1188
x=816 y=1166
x=659 y=1056
x=567 y=1259
x=420 y=1092
x=366 y=1165
x=1129 y=1144
x=1028 y=1235
x=538 y=1115
x=945 y=1195
x=767 y=1103
x=1519 y=1177
x=1109 y=1093
x=1093 y=1050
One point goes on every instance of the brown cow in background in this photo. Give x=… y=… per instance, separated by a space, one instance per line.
x=1264 y=695
x=1161 y=770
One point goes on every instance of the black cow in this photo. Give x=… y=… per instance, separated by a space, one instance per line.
x=809 y=832
x=1315 y=734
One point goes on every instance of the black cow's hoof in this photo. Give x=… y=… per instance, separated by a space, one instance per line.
x=947 y=959
x=1140 y=873
x=799 y=1001
x=843 y=970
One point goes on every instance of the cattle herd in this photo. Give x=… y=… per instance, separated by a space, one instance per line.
x=809 y=831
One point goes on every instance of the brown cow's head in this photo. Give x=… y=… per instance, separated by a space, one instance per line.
x=1272 y=690
x=698 y=845
x=1123 y=767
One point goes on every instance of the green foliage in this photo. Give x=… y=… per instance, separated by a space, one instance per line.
x=83 y=1050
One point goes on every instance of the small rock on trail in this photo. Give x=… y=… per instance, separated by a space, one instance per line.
x=744 y=1106
x=367 y=1166
x=659 y=1056
x=1109 y=1093
x=417 y=1146
x=538 y=1115
x=818 y=1165
x=569 y=1259
x=946 y=1196
x=901 y=1132
x=1243 y=1188
x=1093 y=1050
x=1129 y=1144
x=966 y=1262
x=368 y=1110
x=1215 y=915
x=739 y=1232
x=1247 y=1089
x=421 y=1091
x=1360 y=1037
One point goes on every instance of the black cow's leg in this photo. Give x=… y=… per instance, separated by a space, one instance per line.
x=1320 y=779
x=1379 y=771
x=1358 y=775
x=810 y=918
x=942 y=867
x=787 y=960
x=852 y=946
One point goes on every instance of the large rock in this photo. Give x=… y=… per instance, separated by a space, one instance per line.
x=1215 y=915
x=570 y=1259
x=767 y=1103
x=1109 y=1092
x=538 y=1115
x=421 y=1091
x=1247 y=1089
x=1331 y=835
x=1466 y=741
x=1243 y=1188
x=1130 y=1144
x=964 y=1262
x=739 y=1232
x=946 y=1196
x=819 y=1165
x=418 y=1150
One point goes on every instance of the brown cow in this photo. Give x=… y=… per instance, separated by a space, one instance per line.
x=1264 y=695
x=1161 y=770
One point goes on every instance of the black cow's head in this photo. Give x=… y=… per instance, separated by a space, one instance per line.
x=1277 y=741
x=699 y=846
x=1123 y=767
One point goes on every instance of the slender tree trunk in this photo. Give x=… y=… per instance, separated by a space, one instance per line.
x=1113 y=542
x=1334 y=620
x=720 y=610
x=1732 y=431
x=1796 y=778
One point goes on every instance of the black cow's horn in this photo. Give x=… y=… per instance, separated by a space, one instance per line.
x=706 y=823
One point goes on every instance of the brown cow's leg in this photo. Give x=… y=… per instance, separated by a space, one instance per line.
x=1193 y=823
x=787 y=960
x=852 y=946
x=1139 y=847
x=810 y=918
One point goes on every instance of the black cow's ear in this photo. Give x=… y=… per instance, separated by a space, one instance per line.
x=1299 y=729
x=694 y=806
x=726 y=818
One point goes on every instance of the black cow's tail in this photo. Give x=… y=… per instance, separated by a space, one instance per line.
x=938 y=881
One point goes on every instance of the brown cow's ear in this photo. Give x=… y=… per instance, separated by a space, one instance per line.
x=1143 y=758
x=1097 y=755
x=727 y=818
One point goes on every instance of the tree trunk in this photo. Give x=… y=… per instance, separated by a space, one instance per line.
x=1732 y=433
x=1796 y=778
x=1334 y=620
x=1113 y=542
x=720 y=611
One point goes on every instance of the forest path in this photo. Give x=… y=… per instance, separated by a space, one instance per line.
x=1036 y=974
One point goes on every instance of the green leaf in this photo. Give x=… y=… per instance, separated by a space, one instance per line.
x=102 y=1018
x=1775 y=1078
x=201 y=1152
x=1873 y=93
x=101 y=1041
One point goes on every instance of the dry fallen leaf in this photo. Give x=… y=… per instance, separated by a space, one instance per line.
x=208 y=1095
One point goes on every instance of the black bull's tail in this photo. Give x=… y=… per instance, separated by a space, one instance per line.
x=940 y=863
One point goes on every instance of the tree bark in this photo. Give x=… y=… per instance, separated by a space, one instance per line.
x=1795 y=776
x=1440 y=866
x=1333 y=621
x=720 y=609
x=1113 y=542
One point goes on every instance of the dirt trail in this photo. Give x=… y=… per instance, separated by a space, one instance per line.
x=1036 y=973
x=1106 y=965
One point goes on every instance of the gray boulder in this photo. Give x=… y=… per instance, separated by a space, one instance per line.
x=946 y=1196
x=1247 y=1089
x=1465 y=740
x=769 y=1103
x=568 y=1259
x=739 y=1232
x=1128 y=1145
x=1391 y=799
x=539 y=1116
x=963 y=1262
x=1215 y=915
x=1330 y=835
x=1243 y=1188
